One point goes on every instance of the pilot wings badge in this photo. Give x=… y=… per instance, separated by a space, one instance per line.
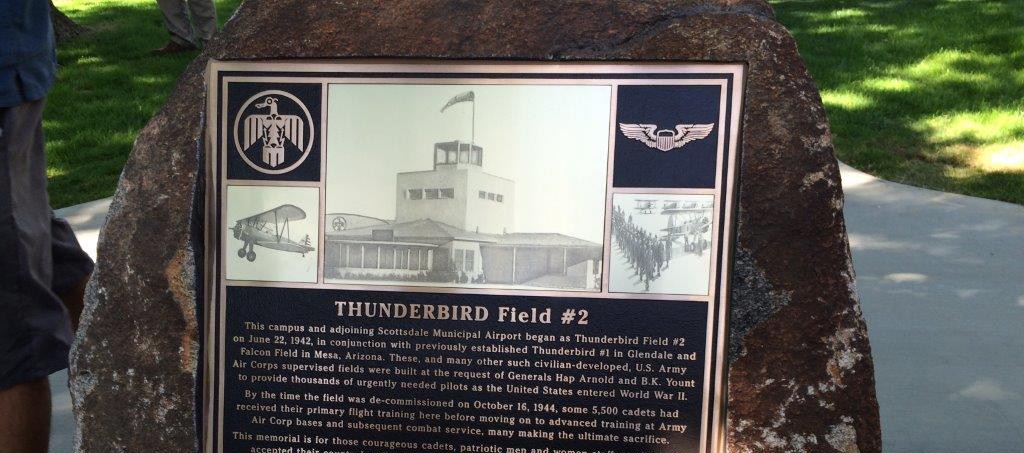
x=666 y=139
x=271 y=123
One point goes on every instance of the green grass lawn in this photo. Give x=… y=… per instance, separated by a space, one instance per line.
x=926 y=92
x=107 y=89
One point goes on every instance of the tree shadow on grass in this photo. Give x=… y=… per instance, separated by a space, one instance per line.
x=108 y=87
x=916 y=89
x=919 y=91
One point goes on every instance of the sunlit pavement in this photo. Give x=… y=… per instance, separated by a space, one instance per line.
x=86 y=219
x=941 y=281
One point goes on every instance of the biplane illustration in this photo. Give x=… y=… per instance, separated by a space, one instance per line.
x=697 y=228
x=678 y=208
x=270 y=229
x=686 y=219
x=645 y=206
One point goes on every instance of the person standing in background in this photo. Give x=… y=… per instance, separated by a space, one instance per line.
x=191 y=24
x=43 y=270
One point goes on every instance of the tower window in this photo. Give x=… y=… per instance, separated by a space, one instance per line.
x=499 y=198
x=430 y=194
x=490 y=196
x=414 y=194
x=483 y=195
x=447 y=192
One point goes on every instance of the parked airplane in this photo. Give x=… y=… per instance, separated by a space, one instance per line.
x=645 y=206
x=256 y=230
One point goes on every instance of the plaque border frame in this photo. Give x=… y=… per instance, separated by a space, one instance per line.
x=213 y=286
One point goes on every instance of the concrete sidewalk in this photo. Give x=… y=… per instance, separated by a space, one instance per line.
x=941 y=280
x=86 y=219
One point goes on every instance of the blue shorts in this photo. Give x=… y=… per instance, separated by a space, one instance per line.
x=39 y=256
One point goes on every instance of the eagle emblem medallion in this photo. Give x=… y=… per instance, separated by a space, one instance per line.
x=273 y=132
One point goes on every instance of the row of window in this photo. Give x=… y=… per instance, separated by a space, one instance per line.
x=384 y=257
x=447 y=193
x=484 y=195
x=452 y=156
x=430 y=194
x=391 y=257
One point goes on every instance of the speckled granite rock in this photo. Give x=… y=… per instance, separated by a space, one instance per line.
x=800 y=377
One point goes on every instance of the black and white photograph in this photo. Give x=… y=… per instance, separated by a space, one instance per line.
x=661 y=244
x=272 y=233
x=485 y=186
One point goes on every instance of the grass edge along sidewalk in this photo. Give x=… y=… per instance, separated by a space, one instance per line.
x=924 y=92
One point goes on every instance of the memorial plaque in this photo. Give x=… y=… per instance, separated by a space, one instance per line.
x=416 y=256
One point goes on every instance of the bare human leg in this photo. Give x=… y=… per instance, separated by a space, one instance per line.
x=25 y=417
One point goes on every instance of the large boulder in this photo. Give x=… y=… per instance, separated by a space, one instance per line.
x=800 y=372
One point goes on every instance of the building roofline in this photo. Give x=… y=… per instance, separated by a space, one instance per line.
x=466 y=169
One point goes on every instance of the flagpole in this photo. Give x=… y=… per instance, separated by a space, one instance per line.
x=472 y=136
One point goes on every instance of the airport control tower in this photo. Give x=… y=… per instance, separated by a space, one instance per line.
x=457 y=192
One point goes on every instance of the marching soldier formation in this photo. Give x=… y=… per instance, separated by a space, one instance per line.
x=649 y=254
x=645 y=252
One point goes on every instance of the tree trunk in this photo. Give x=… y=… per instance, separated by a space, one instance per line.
x=63 y=27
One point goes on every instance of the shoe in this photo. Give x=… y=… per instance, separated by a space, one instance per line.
x=172 y=47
